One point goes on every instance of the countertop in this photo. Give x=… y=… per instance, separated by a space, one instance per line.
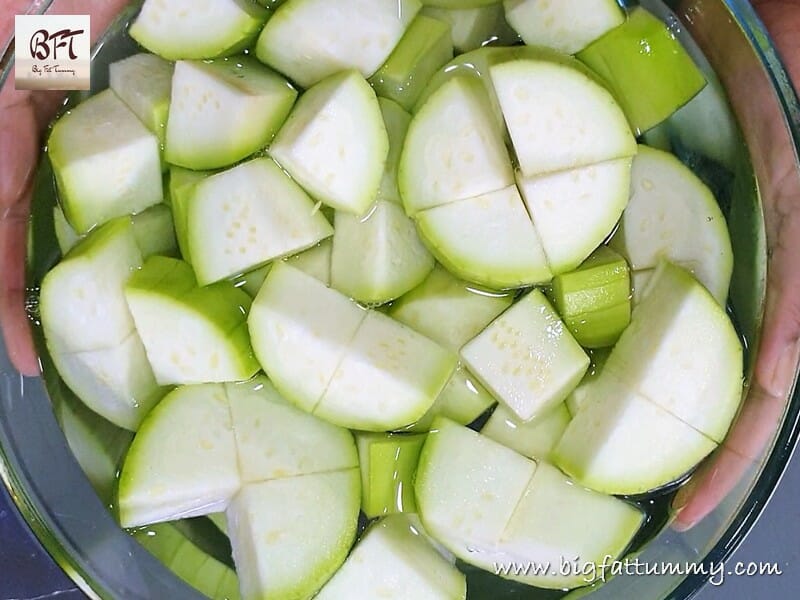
x=28 y=573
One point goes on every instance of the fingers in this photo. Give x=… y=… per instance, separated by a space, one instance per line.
x=708 y=487
x=742 y=449
x=9 y=10
x=13 y=317
x=780 y=345
x=19 y=146
x=779 y=349
x=23 y=117
x=781 y=335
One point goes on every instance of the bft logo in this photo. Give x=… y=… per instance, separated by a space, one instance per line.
x=45 y=44
x=52 y=52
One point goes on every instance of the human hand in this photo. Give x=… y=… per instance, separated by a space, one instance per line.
x=780 y=344
x=24 y=116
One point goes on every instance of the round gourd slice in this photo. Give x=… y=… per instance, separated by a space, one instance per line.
x=621 y=443
x=300 y=330
x=492 y=507
x=388 y=377
x=682 y=352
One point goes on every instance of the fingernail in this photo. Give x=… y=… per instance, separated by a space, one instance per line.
x=680 y=526
x=679 y=502
x=785 y=371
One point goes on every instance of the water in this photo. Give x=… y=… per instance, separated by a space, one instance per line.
x=718 y=156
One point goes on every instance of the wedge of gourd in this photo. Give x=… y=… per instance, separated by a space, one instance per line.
x=191 y=334
x=574 y=121
x=567 y=26
x=646 y=67
x=575 y=210
x=183 y=461
x=309 y=40
x=89 y=330
x=275 y=439
x=335 y=144
x=527 y=358
x=393 y=555
x=454 y=149
x=144 y=83
x=682 y=352
x=488 y=239
x=240 y=103
x=188 y=29
x=389 y=377
x=106 y=162
x=622 y=443
x=289 y=536
x=673 y=215
x=378 y=257
x=247 y=216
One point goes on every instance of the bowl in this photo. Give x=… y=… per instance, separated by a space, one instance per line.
x=741 y=136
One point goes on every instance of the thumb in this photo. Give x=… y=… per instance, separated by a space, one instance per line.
x=780 y=342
